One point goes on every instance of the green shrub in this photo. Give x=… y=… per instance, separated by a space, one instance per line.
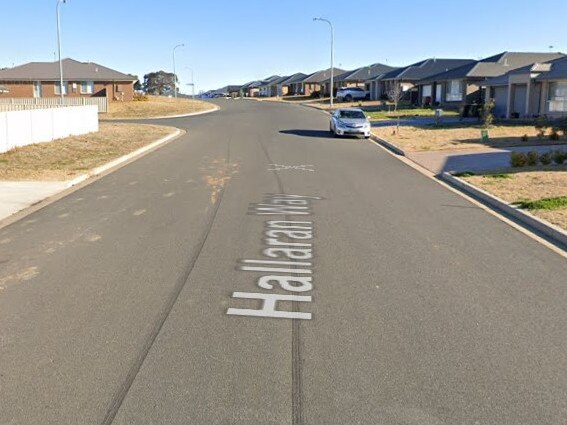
x=554 y=135
x=518 y=159
x=532 y=158
x=556 y=203
x=545 y=158
x=559 y=157
x=525 y=138
x=561 y=126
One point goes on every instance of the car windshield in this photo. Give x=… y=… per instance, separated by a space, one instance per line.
x=352 y=114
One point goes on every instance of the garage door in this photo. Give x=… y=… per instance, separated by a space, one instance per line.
x=520 y=100
x=500 y=100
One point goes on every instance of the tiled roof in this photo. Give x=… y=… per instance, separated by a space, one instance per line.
x=368 y=72
x=296 y=78
x=72 y=70
x=494 y=66
x=321 y=76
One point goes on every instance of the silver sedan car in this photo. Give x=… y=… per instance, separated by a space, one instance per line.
x=350 y=122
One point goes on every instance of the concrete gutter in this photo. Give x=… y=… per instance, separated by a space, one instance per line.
x=397 y=150
x=118 y=161
x=550 y=231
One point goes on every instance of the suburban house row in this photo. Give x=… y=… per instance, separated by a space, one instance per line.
x=522 y=84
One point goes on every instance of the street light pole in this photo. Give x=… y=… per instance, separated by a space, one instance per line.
x=332 y=52
x=174 y=74
x=192 y=83
x=59 y=49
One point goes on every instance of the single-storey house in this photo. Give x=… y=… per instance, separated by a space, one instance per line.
x=361 y=77
x=319 y=81
x=408 y=77
x=465 y=85
x=266 y=84
x=275 y=87
x=293 y=85
x=80 y=79
x=251 y=89
x=531 y=91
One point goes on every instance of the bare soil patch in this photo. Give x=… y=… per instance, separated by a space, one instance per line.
x=457 y=137
x=66 y=158
x=155 y=106
x=528 y=185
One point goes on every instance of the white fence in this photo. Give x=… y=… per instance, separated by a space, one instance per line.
x=21 y=128
x=31 y=102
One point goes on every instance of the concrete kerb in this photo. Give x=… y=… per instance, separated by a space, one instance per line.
x=388 y=145
x=192 y=114
x=99 y=170
x=554 y=238
x=552 y=232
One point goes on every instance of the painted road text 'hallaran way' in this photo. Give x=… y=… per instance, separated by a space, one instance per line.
x=282 y=251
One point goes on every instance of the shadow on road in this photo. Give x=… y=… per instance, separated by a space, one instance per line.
x=308 y=133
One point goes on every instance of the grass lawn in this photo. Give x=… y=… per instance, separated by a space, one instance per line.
x=406 y=113
x=455 y=137
x=540 y=190
x=66 y=158
x=155 y=106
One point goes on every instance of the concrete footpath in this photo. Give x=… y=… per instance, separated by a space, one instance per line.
x=439 y=162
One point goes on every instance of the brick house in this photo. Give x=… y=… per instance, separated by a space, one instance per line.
x=317 y=82
x=80 y=79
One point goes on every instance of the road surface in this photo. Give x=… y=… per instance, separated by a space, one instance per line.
x=257 y=271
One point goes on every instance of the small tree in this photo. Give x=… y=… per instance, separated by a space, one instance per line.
x=541 y=125
x=395 y=94
x=487 y=115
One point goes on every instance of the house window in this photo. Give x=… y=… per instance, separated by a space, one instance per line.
x=87 y=87
x=454 y=91
x=426 y=91
x=558 y=97
x=57 y=88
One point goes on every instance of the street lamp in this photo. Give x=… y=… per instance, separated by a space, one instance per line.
x=192 y=84
x=174 y=74
x=59 y=48
x=332 y=50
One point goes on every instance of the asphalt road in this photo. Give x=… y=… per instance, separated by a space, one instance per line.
x=416 y=308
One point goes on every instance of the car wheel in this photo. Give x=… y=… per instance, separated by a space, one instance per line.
x=348 y=98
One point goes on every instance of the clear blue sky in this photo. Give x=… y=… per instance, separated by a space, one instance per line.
x=233 y=42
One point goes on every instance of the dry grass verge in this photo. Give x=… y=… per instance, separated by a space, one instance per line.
x=155 y=106
x=430 y=138
x=533 y=184
x=67 y=158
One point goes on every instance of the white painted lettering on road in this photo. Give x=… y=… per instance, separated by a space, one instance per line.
x=284 y=267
